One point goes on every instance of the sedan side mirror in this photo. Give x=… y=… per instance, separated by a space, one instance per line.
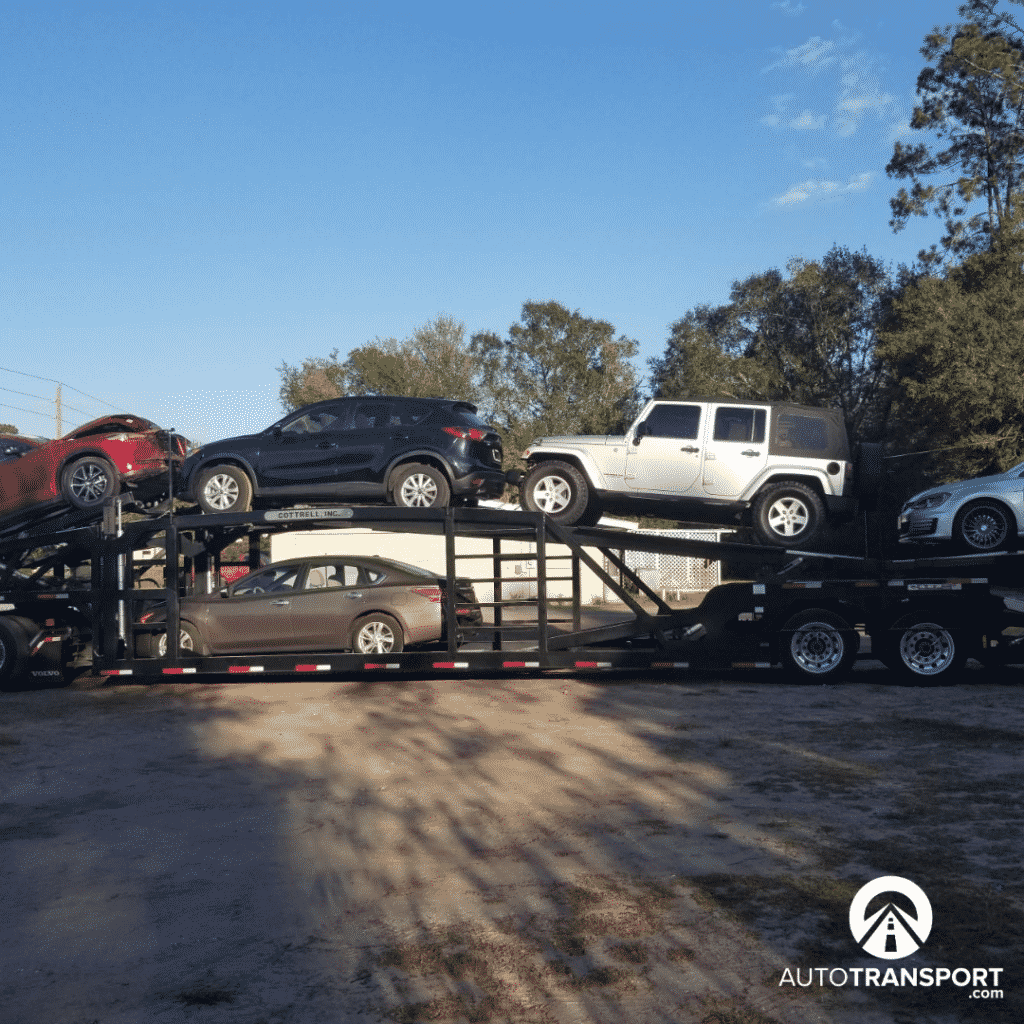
x=639 y=431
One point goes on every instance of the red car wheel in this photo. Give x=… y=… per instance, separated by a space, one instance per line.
x=88 y=482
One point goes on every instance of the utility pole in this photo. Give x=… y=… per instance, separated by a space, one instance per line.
x=59 y=417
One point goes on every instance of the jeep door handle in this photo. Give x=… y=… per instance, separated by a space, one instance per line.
x=281 y=603
x=690 y=449
x=750 y=452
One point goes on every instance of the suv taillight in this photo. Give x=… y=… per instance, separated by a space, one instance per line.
x=465 y=434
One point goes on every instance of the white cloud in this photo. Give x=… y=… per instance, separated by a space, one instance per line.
x=807 y=121
x=813 y=55
x=860 y=94
x=788 y=8
x=820 y=187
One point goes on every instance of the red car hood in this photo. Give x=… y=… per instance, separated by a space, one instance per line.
x=112 y=424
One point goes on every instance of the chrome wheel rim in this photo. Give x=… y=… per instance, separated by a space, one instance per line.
x=184 y=643
x=552 y=494
x=375 y=638
x=418 y=490
x=221 y=491
x=817 y=648
x=927 y=649
x=984 y=529
x=788 y=517
x=89 y=482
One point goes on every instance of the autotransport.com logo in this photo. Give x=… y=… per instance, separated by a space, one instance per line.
x=891 y=918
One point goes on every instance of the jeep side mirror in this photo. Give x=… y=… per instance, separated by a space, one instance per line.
x=639 y=431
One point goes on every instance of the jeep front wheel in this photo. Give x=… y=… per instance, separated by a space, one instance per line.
x=557 y=489
x=789 y=515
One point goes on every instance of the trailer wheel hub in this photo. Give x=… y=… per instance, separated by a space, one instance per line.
x=817 y=647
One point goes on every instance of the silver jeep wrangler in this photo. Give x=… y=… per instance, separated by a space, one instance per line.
x=783 y=469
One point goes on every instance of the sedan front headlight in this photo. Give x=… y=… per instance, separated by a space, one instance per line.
x=929 y=501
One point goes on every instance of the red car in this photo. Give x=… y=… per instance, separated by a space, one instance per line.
x=87 y=466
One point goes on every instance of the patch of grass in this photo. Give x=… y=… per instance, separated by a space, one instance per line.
x=488 y=976
x=629 y=952
x=680 y=955
x=733 y=1011
x=205 y=997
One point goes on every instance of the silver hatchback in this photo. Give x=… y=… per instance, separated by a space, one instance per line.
x=983 y=514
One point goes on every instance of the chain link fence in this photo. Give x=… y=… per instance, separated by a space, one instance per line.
x=672 y=574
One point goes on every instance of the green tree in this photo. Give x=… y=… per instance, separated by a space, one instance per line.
x=433 y=362
x=956 y=347
x=807 y=336
x=557 y=372
x=971 y=97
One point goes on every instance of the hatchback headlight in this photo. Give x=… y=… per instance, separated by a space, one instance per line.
x=929 y=501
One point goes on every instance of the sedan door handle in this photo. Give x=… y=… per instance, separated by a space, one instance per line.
x=354 y=595
x=281 y=603
x=750 y=452
x=690 y=449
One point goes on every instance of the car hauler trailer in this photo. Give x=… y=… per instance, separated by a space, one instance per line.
x=77 y=597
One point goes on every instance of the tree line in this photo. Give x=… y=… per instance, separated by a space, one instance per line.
x=927 y=358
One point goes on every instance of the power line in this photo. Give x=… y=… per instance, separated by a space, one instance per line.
x=27 y=394
x=53 y=380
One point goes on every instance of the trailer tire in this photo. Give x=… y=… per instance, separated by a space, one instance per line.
x=818 y=645
x=557 y=489
x=377 y=633
x=13 y=651
x=88 y=482
x=924 y=651
x=789 y=515
x=224 y=489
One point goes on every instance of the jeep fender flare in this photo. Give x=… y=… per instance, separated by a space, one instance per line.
x=572 y=455
x=808 y=477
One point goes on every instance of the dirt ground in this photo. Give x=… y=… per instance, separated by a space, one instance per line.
x=560 y=849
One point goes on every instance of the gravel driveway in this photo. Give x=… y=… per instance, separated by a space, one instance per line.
x=559 y=849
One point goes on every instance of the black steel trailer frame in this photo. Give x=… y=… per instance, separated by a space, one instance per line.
x=74 y=596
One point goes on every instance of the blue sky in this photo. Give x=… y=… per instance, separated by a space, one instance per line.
x=196 y=192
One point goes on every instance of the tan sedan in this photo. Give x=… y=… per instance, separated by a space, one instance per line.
x=322 y=603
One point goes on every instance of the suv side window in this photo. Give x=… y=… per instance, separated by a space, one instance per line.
x=736 y=424
x=809 y=433
x=408 y=414
x=682 y=421
x=371 y=416
x=313 y=423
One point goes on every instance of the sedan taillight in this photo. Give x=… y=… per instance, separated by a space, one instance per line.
x=432 y=594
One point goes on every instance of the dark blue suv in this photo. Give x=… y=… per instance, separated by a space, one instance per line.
x=413 y=452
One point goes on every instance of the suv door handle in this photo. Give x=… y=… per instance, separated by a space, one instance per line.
x=281 y=602
x=327 y=444
x=690 y=449
x=353 y=595
x=750 y=452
